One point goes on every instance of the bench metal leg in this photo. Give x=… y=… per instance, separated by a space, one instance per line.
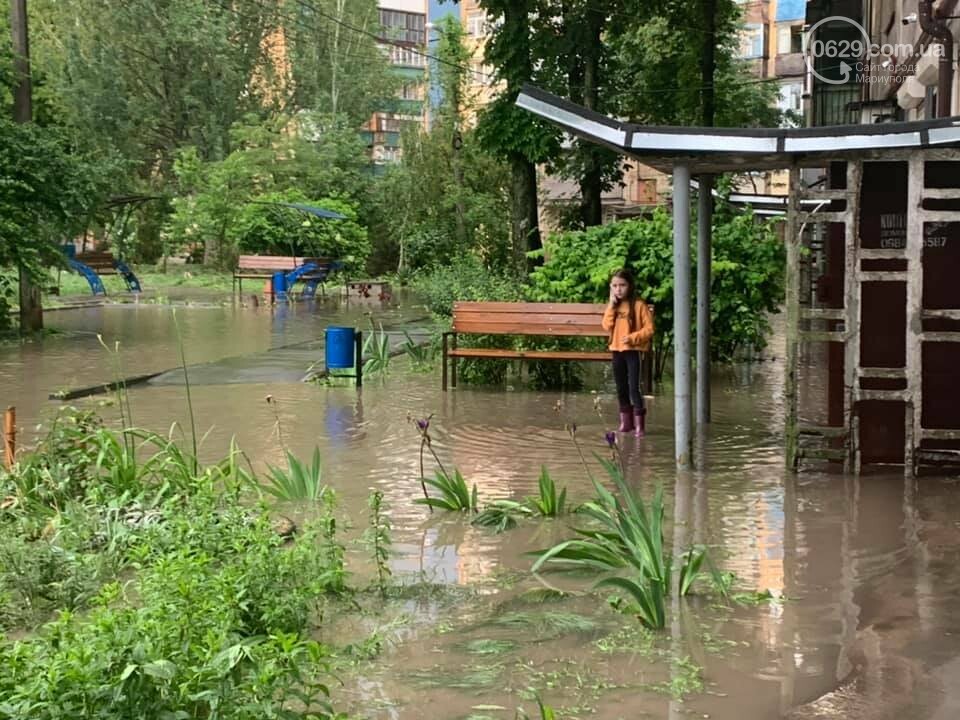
x=453 y=364
x=443 y=370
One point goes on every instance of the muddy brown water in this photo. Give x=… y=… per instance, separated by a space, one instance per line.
x=868 y=566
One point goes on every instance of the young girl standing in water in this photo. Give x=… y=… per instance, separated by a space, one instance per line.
x=630 y=324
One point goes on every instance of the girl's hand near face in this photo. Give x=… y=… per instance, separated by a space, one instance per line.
x=613 y=298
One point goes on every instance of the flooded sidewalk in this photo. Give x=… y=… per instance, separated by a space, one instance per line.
x=863 y=571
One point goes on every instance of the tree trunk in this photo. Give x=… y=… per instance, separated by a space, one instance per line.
x=591 y=204
x=524 y=221
x=31 y=311
x=708 y=64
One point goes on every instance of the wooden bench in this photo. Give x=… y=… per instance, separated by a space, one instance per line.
x=96 y=263
x=262 y=267
x=100 y=262
x=527 y=319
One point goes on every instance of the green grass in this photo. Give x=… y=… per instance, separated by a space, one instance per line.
x=191 y=276
x=488 y=646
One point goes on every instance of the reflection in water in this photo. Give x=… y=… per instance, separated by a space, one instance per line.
x=869 y=566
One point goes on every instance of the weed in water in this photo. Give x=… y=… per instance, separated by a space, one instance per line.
x=686 y=677
x=420 y=355
x=548 y=503
x=631 y=539
x=501 y=515
x=377 y=537
x=540 y=595
x=299 y=481
x=454 y=493
x=376 y=348
x=186 y=384
x=632 y=638
x=489 y=646
x=546 y=712
x=468 y=677
x=545 y=625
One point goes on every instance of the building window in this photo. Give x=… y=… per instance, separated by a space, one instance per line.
x=789 y=39
x=408 y=57
x=481 y=74
x=388 y=124
x=751 y=41
x=412 y=91
x=790 y=102
x=477 y=23
x=403 y=26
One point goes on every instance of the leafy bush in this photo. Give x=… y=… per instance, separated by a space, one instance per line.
x=465 y=279
x=748 y=273
x=269 y=229
x=215 y=622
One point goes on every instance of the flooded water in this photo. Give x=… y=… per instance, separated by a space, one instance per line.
x=867 y=566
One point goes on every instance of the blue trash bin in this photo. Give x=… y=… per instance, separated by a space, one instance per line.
x=339 y=348
x=279 y=285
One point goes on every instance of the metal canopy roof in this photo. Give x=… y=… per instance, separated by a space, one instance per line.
x=710 y=150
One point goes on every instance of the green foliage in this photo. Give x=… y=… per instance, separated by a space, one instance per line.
x=299 y=481
x=664 y=42
x=180 y=650
x=454 y=493
x=546 y=712
x=748 y=273
x=420 y=355
x=501 y=515
x=376 y=350
x=48 y=186
x=630 y=539
x=216 y=608
x=221 y=202
x=464 y=279
x=549 y=503
x=334 y=69
x=377 y=537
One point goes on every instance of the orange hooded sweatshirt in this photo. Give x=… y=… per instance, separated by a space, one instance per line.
x=616 y=322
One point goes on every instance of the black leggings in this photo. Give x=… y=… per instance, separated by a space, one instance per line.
x=626 y=373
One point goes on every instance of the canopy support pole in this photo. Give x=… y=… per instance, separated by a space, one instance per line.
x=704 y=242
x=681 y=314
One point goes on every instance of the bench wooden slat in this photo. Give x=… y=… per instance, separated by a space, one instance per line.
x=581 y=355
x=533 y=317
x=517 y=327
x=524 y=307
x=277 y=262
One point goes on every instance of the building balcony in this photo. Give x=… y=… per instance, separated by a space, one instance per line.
x=790 y=65
x=399 y=106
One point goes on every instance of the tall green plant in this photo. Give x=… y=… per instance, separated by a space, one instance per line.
x=630 y=539
x=299 y=481
x=377 y=536
x=453 y=492
x=376 y=350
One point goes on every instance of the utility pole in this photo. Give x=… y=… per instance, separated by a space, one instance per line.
x=31 y=311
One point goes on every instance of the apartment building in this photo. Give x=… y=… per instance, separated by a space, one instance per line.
x=403 y=31
x=882 y=60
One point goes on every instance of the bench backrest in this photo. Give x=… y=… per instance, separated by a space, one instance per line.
x=276 y=262
x=514 y=318
x=96 y=260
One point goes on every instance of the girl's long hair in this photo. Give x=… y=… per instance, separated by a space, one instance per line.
x=631 y=296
